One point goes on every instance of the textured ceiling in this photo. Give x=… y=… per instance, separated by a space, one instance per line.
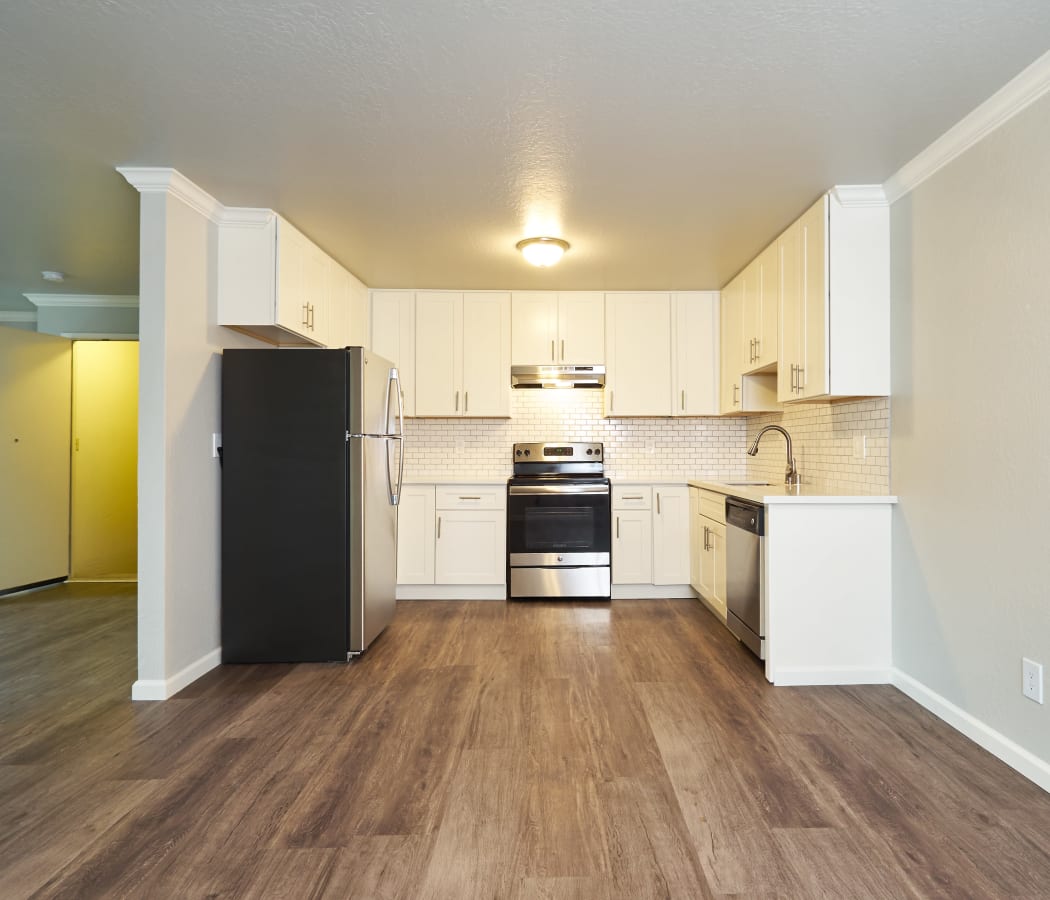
x=417 y=142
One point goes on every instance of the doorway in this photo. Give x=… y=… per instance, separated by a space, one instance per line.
x=103 y=531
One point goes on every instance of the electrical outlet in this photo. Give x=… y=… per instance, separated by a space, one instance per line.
x=1032 y=680
x=216 y=445
x=860 y=446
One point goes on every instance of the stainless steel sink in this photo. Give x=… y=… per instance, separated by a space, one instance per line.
x=748 y=483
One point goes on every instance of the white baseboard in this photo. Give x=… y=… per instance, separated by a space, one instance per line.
x=451 y=592
x=653 y=592
x=1015 y=756
x=162 y=689
x=822 y=675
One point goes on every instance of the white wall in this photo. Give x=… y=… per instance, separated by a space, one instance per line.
x=971 y=322
x=179 y=395
x=35 y=391
x=87 y=320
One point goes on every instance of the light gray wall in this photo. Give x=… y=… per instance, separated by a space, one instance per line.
x=971 y=373
x=87 y=320
x=180 y=355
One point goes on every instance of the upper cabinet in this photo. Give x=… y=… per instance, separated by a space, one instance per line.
x=558 y=328
x=463 y=360
x=638 y=379
x=741 y=392
x=394 y=337
x=834 y=301
x=277 y=285
x=760 y=312
x=661 y=354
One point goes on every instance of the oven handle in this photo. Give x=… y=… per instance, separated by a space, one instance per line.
x=558 y=489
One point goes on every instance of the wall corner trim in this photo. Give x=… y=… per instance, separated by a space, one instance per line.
x=999 y=745
x=162 y=689
x=1004 y=104
x=154 y=180
x=246 y=216
x=860 y=195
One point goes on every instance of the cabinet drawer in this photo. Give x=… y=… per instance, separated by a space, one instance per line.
x=471 y=496
x=713 y=505
x=632 y=497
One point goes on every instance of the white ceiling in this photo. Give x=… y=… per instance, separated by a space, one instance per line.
x=417 y=142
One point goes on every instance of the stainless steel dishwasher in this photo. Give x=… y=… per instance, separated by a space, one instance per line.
x=745 y=537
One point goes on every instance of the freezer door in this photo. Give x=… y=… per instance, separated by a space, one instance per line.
x=373 y=541
x=373 y=404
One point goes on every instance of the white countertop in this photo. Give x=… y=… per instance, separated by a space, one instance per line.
x=454 y=478
x=781 y=493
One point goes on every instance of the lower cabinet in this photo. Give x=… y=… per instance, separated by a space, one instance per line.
x=650 y=540
x=708 y=548
x=449 y=537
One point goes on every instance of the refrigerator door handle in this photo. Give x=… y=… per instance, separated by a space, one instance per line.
x=395 y=493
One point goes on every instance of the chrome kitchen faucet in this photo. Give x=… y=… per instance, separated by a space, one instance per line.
x=791 y=476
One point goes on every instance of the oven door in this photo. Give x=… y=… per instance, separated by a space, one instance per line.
x=559 y=525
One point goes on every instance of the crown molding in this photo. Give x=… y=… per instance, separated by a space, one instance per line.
x=1002 y=106
x=154 y=180
x=246 y=216
x=127 y=301
x=860 y=194
x=10 y=315
x=98 y=336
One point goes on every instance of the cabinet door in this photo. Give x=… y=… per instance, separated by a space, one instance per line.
x=337 y=280
x=813 y=255
x=394 y=337
x=439 y=356
x=696 y=338
x=638 y=354
x=415 y=535
x=470 y=547
x=717 y=539
x=316 y=292
x=632 y=556
x=486 y=354
x=732 y=324
x=767 y=294
x=534 y=328
x=790 y=314
x=292 y=308
x=670 y=534
x=581 y=328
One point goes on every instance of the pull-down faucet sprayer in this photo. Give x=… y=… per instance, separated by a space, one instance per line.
x=791 y=476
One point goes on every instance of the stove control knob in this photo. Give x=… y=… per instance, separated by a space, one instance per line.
x=590 y=452
x=528 y=453
x=517 y=453
x=597 y=452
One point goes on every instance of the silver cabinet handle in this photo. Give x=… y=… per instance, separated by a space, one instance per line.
x=617 y=527
x=439 y=526
x=610 y=400
x=552 y=349
x=683 y=401
x=311 y=311
x=801 y=384
x=633 y=497
x=469 y=498
x=563 y=349
x=758 y=349
x=707 y=538
x=658 y=503
x=466 y=400
x=457 y=401
x=736 y=388
x=306 y=315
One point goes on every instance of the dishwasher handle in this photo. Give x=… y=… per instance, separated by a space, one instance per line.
x=750 y=517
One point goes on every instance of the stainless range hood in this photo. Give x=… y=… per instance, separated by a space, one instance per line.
x=557 y=376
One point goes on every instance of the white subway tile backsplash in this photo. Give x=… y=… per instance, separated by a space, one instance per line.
x=663 y=447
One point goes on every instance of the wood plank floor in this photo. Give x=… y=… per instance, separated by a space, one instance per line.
x=482 y=749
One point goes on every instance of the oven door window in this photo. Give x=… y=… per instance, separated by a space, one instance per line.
x=559 y=524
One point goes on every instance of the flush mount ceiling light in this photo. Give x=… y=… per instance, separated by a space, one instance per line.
x=52 y=275
x=542 y=251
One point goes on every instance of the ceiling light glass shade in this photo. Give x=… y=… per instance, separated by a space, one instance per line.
x=542 y=251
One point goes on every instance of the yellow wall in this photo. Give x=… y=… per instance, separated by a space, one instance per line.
x=103 y=532
x=34 y=457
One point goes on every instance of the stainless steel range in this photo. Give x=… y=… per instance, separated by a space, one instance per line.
x=559 y=511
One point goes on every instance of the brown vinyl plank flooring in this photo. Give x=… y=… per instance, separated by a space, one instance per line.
x=487 y=750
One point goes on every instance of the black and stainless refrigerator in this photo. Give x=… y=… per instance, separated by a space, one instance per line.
x=312 y=464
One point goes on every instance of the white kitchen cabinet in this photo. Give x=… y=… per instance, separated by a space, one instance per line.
x=708 y=539
x=347 y=308
x=558 y=328
x=394 y=337
x=638 y=354
x=415 y=535
x=273 y=282
x=835 y=311
x=695 y=539
x=670 y=524
x=761 y=312
x=471 y=535
x=632 y=561
x=695 y=364
x=462 y=354
x=741 y=393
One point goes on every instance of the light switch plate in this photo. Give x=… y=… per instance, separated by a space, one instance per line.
x=1032 y=679
x=860 y=446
